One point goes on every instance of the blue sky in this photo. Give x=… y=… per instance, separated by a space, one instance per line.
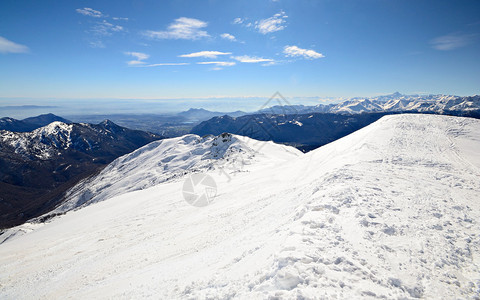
x=201 y=49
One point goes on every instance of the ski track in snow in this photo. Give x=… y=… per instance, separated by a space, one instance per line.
x=390 y=211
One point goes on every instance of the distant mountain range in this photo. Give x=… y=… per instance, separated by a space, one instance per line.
x=37 y=167
x=181 y=123
x=395 y=102
x=309 y=127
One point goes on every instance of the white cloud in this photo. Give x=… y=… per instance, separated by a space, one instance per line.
x=452 y=41
x=181 y=28
x=7 y=46
x=119 y=19
x=140 y=57
x=251 y=59
x=228 y=36
x=86 y=11
x=272 y=24
x=206 y=54
x=218 y=63
x=294 y=51
x=167 y=64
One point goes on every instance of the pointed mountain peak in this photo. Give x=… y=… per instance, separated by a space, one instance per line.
x=108 y=123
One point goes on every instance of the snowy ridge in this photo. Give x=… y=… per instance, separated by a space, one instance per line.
x=173 y=158
x=398 y=102
x=395 y=102
x=390 y=211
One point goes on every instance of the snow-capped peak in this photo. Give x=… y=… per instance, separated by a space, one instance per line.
x=42 y=142
x=54 y=129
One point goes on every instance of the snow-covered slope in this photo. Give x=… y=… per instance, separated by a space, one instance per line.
x=390 y=211
x=168 y=159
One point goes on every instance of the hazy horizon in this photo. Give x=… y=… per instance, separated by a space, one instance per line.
x=76 y=107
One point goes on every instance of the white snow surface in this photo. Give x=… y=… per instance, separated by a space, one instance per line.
x=390 y=211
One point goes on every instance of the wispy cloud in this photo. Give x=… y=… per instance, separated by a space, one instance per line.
x=87 y=11
x=270 y=63
x=238 y=21
x=218 y=63
x=97 y=44
x=167 y=64
x=100 y=29
x=228 y=36
x=140 y=57
x=7 y=46
x=242 y=22
x=452 y=41
x=181 y=28
x=140 y=61
x=206 y=54
x=251 y=59
x=105 y=28
x=294 y=51
x=272 y=24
